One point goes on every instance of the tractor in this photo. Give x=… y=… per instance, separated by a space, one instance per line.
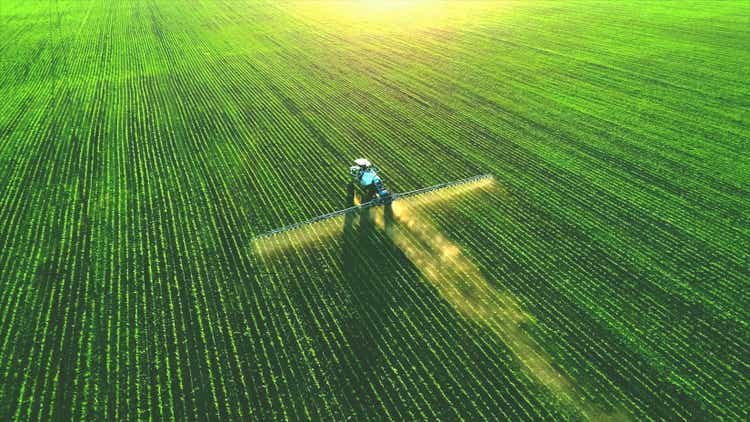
x=365 y=175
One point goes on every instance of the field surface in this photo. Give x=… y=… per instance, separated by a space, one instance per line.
x=601 y=273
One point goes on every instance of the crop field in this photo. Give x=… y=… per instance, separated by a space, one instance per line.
x=602 y=272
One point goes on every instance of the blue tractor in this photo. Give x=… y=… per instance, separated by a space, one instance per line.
x=366 y=176
x=374 y=193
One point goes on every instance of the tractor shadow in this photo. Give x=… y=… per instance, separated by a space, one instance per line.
x=364 y=252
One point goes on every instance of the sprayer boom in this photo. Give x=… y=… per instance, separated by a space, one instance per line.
x=373 y=203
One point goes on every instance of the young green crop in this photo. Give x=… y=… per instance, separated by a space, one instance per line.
x=144 y=144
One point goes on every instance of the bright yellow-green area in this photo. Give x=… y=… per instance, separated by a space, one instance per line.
x=402 y=17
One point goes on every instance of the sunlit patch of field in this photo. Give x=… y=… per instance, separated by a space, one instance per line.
x=372 y=16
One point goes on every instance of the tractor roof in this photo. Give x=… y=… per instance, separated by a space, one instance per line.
x=363 y=162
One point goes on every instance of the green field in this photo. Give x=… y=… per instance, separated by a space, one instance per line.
x=602 y=273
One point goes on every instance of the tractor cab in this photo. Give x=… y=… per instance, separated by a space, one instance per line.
x=363 y=168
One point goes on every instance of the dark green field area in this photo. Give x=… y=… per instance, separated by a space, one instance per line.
x=602 y=273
